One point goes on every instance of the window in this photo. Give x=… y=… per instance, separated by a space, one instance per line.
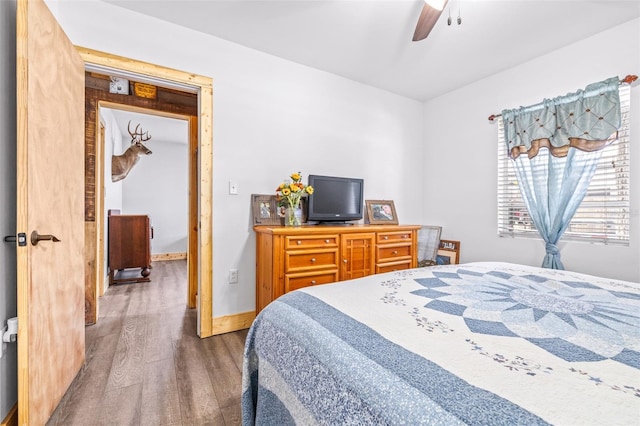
x=603 y=216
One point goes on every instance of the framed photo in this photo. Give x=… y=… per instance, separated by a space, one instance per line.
x=381 y=212
x=265 y=209
x=448 y=252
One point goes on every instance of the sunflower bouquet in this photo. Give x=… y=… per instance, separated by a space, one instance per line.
x=290 y=192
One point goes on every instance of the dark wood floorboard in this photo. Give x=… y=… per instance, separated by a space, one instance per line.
x=145 y=364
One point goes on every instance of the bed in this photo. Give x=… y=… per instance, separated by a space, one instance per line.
x=478 y=343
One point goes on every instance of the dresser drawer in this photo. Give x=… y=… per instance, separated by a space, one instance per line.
x=394 y=237
x=390 y=253
x=296 y=281
x=289 y=258
x=304 y=260
x=393 y=266
x=308 y=241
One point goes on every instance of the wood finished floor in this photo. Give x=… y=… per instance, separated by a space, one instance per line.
x=146 y=366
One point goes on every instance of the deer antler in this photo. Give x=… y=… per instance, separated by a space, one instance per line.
x=137 y=136
x=134 y=133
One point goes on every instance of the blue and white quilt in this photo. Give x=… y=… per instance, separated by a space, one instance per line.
x=480 y=343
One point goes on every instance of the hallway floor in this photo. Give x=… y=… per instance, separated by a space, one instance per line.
x=146 y=366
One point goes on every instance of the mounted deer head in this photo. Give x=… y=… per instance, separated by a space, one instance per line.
x=121 y=165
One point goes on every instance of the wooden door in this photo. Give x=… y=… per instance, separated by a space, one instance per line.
x=357 y=254
x=50 y=200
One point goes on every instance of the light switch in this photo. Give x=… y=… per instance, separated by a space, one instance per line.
x=233 y=188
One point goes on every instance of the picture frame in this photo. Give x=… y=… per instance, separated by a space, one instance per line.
x=265 y=210
x=448 y=252
x=381 y=212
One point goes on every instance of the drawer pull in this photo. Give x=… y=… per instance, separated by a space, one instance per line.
x=344 y=260
x=327 y=241
x=394 y=252
x=299 y=242
x=386 y=237
x=405 y=236
x=313 y=259
x=313 y=282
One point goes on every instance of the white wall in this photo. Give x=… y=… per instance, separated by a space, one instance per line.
x=461 y=145
x=158 y=186
x=8 y=294
x=112 y=191
x=271 y=117
x=112 y=143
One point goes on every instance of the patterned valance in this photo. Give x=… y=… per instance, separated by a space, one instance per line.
x=587 y=120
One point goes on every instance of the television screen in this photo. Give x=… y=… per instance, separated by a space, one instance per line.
x=335 y=199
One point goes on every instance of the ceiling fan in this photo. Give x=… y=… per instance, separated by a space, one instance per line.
x=430 y=13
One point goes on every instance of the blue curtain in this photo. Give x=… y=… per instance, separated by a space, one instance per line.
x=562 y=139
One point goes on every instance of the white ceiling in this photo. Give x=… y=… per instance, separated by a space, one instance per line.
x=370 y=40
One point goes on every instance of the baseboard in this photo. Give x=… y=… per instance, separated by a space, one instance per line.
x=12 y=417
x=168 y=256
x=230 y=323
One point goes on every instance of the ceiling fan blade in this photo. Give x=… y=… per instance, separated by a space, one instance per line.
x=426 y=21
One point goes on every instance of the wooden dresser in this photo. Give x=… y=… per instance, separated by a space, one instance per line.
x=129 y=247
x=289 y=258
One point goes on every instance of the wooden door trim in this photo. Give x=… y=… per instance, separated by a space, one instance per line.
x=204 y=87
x=100 y=272
x=192 y=240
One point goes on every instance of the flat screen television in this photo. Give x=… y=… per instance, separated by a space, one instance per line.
x=335 y=199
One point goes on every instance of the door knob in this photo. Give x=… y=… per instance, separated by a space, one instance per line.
x=35 y=238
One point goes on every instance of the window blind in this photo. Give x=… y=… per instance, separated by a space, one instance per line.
x=603 y=216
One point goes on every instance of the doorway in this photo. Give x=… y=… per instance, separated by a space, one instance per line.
x=200 y=202
x=156 y=186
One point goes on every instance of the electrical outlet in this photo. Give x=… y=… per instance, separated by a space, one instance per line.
x=233 y=276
